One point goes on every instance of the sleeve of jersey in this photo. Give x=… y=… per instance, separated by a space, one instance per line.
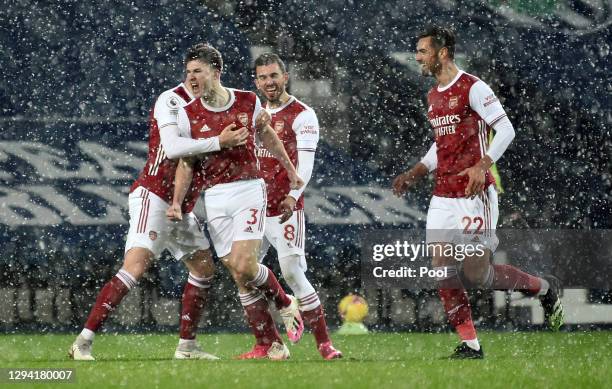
x=166 y=114
x=486 y=104
x=430 y=160
x=257 y=110
x=304 y=170
x=306 y=127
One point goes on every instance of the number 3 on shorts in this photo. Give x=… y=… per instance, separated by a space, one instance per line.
x=253 y=216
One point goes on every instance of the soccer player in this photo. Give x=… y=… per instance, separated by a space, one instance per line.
x=150 y=232
x=235 y=201
x=462 y=110
x=297 y=126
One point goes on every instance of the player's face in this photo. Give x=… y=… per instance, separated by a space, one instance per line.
x=199 y=77
x=271 y=81
x=427 y=57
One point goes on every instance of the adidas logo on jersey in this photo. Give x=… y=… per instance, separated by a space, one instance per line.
x=205 y=128
x=248 y=229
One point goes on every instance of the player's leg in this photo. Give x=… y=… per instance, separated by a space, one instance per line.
x=192 y=247
x=480 y=272
x=136 y=262
x=236 y=224
x=442 y=226
x=288 y=240
x=145 y=240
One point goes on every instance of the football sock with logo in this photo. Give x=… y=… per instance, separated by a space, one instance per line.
x=457 y=306
x=193 y=303
x=258 y=316
x=108 y=299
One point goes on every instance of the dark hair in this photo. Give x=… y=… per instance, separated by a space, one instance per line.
x=205 y=53
x=441 y=37
x=269 y=59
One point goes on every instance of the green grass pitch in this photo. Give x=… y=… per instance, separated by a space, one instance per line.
x=400 y=360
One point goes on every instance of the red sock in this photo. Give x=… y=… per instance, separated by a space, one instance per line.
x=508 y=277
x=109 y=297
x=457 y=307
x=268 y=284
x=194 y=300
x=315 y=319
x=261 y=322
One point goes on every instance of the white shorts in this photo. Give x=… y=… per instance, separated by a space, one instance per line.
x=151 y=229
x=464 y=220
x=287 y=238
x=235 y=211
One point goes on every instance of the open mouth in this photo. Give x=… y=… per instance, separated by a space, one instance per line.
x=195 y=88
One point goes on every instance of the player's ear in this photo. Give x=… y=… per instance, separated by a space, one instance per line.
x=286 y=77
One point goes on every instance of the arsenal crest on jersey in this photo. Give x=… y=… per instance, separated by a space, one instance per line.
x=279 y=126
x=453 y=102
x=243 y=118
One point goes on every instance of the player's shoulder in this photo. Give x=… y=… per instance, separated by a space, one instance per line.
x=241 y=94
x=475 y=82
x=176 y=97
x=301 y=106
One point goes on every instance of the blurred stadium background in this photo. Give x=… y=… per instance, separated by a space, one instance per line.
x=78 y=79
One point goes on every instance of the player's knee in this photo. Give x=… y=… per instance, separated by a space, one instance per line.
x=200 y=264
x=136 y=261
x=244 y=272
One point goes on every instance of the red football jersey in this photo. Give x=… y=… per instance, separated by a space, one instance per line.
x=158 y=173
x=461 y=114
x=297 y=127
x=226 y=165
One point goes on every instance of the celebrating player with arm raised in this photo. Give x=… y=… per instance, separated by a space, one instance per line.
x=462 y=110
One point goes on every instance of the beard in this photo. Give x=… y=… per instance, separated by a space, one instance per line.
x=430 y=70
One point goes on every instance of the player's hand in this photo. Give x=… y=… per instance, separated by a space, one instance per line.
x=476 y=175
x=295 y=181
x=403 y=182
x=230 y=137
x=262 y=119
x=286 y=207
x=174 y=213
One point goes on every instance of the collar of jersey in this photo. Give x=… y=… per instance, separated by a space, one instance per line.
x=275 y=110
x=459 y=73
x=191 y=97
x=223 y=108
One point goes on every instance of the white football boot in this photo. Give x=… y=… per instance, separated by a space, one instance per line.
x=81 y=349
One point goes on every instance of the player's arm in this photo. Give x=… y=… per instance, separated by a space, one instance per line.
x=306 y=127
x=182 y=182
x=406 y=180
x=166 y=112
x=270 y=141
x=486 y=104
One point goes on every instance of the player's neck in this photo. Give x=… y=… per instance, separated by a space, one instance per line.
x=282 y=100
x=447 y=74
x=217 y=97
